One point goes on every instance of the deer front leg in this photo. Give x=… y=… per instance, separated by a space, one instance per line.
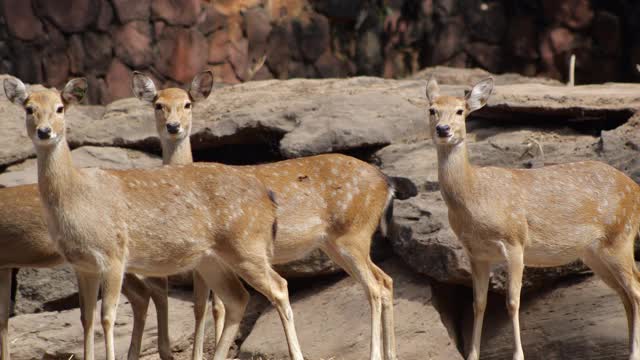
x=111 y=286
x=515 y=263
x=160 y=295
x=88 y=285
x=5 y=308
x=480 y=275
x=200 y=303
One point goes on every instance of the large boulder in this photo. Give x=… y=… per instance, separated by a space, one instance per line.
x=422 y=235
x=334 y=322
x=46 y=289
x=579 y=319
x=86 y=156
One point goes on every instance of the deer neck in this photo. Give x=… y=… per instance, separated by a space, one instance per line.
x=56 y=174
x=177 y=152
x=455 y=174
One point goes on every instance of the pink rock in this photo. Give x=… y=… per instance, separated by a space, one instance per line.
x=69 y=15
x=105 y=16
x=328 y=66
x=239 y=57
x=224 y=73
x=258 y=27
x=181 y=53
x=184 y=12
x=76 y=55
x=98 y=49
x=575 y=14
x=56 y=68
x=313 y=36
x=128 y=10
x=218 y=47
x=132 y=43
x=21 y=21
x=561 y=39
x=118 y=81
x=210 y=19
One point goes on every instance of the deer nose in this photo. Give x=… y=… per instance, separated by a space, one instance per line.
x=443 y=130
x=44 y=133
x=173 y=127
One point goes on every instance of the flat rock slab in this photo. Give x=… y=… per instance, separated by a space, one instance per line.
x=86 y=156
x=302 y=117
x=58 y=335
x=334 y=323
x=583 y=319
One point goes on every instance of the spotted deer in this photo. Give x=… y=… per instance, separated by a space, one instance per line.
x=154 y=222
x=332 y=202
x=539 y=217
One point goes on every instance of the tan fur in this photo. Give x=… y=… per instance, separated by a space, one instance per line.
x=539 y=217
x=331 y=202
x=152 y=222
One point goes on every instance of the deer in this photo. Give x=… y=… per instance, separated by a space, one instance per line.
x=332 y=202
x=210 y=218
x=539 y=217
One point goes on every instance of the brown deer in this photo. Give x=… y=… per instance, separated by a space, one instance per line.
x=332 y=202
x=154 y=222
x=539 y=217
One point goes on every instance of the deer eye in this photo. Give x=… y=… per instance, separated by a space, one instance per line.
x=432 y=112
x=158 y=106
x=29 y=110
x=187 y=106
x=60 y=109
x=459 y=112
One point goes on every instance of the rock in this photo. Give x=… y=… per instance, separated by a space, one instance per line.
x=21 y=21
x=620 y=147
x=328 y=66
x=86 y=156
x=466 y=77
x=239 y=57
x=76 y=55
x=339 y=10
x=133 y=44
x=210 y=20
x=278 y=52
x=576 y=14
x=132 y=10
x=176 y=12
x=98 y=51
x=486 y=21
x=118 y=80
x=488 y=56
x=312 y=36
x=522 y=37
x=56 y=68
x=314 y=264
x=334 y=322
x=449 y=40
x=224 y=73
x=258 y=28
x=218 y=47
x=369 y=53
x=46 y=289
x=607 y=33
x=105 y=15
x=181 y=53
x=29 y=68
x=58 y=335
x=580 y=319
x=69 y=15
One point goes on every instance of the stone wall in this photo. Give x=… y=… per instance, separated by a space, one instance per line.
x=43 y=41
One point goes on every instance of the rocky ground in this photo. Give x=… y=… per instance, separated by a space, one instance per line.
x=566 y=312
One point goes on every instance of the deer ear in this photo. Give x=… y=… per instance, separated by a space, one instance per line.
x=433 y=90
x=143 y=87
x=201 y=86
x=74 y=91
x=15 y=90
x=479 y=94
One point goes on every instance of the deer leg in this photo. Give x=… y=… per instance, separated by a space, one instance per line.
x=160 y=294
x=218 y=316
x=138 y=295
x=388 y=324
x=200 y=303
x=348 y=252
x=111 y=287
x=268 y=282
x=5 y=308
x=480 y=275
x=88 y=285
x=234 y=296
x=515 y=263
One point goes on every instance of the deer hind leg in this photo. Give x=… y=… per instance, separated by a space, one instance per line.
x=618 y=259
x=388 y=324
x=200 y=303
x=234 y=296
x=352 y=255
x=138 y=295
x=159 y=287
x=88 y=285
x=515 y=264
x=218 y=313
x=5 y=308
x=267 y=281
x=480 y=271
